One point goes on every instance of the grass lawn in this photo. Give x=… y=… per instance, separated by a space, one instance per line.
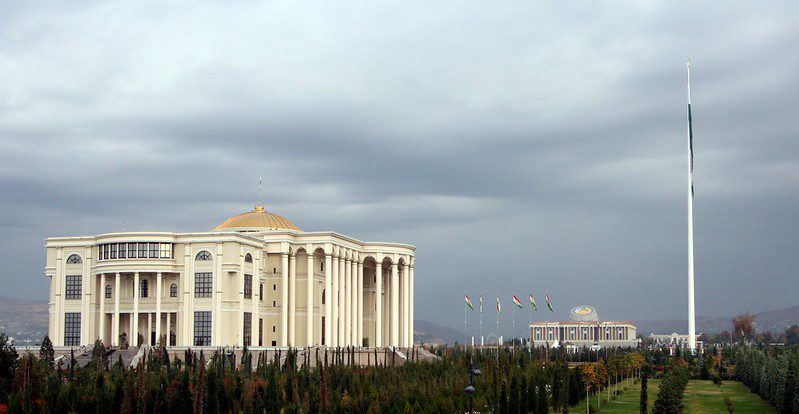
x=700 y=397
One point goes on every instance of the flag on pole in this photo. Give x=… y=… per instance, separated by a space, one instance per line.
x=532 y=302
x=469 y=302
x=499 y=306
x=481 y=303
x=549 y=303
x=517 y=302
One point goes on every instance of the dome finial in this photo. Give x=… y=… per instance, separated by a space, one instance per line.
x=259 y=208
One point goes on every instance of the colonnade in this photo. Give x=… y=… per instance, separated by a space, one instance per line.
x=344 y=291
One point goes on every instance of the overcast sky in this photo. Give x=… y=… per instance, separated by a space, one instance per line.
x=521 y=147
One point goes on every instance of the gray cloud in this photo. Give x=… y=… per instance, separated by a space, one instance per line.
x=521 y=147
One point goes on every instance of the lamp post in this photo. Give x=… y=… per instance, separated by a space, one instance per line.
x=473 y=370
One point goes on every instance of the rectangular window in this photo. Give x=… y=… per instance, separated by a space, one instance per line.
x=72 y=329
x=142 y=250
x=123 y=250
x=247 y=329
x=113 y=254
x=261 y=291
x=202 y=328
x=105 y=252
x=166 y=250
x=260 y=331
x=154 y=250
x=247 y=286
x=274 y=286
x=131 y=250
x=73 y=287
x=203 y=283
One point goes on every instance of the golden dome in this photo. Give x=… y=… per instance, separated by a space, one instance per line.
x=258 y=219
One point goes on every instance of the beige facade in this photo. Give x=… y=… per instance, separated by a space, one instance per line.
x=257 y=279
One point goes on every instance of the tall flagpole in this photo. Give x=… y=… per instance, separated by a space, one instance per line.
x=690 y=138
x=464 y=324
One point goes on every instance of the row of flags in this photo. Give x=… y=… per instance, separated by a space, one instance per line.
x=516 y=302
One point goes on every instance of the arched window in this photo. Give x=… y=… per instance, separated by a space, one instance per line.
x=108 y=291
x=74 y=259
x=173 y=291
x=145 y=288
x=248 y=258
x=323 y=296
x=203 y=256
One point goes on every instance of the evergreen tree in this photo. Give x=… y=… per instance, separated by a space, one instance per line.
x=532 y=396
x=503 y=401
x=513 y=396
x=542 y=400
x=46 y=352
x=644 y=403
x=8 y=363
x=789 y=389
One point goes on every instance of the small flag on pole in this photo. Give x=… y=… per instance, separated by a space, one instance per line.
x=532 y=302
x=499 y=306
x=549 y=303
x=469 y=302
x=517 y=302
x=481 y=303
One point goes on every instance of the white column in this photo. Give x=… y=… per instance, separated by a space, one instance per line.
x=284 y=303
x=354 y=291
x=394 y=304
x=328 y=299
x=292 y=300
x=410 y=305
x=359 y=336
x=309 y=296
x=135 y=317
x=333 y=296
x=102 y=308
x=115 y=327
x=378 y=339
x=348 y=316
x=168 y=330
x=256 y=299
x=149 y=329
x=342 y=335
x=158 y=307
x=406 y=309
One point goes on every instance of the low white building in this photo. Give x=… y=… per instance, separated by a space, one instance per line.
x=255 y=280
x=584 y=330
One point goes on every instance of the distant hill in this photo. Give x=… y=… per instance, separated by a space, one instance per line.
x=430 y=333
x=24 y=320
x=775 y=321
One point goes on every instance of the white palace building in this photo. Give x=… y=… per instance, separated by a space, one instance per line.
x=255 y=280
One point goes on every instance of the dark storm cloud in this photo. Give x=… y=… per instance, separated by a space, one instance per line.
x=520 y=147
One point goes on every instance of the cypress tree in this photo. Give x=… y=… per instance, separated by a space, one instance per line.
x=532 y=402
x=513 y=397
x=503 y=401
x=644 y=404
x=541 y=407
x=789 y=390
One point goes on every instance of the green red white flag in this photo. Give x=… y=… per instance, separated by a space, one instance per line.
x=468 y=302
x=549 y=303
x=499 y=306
x=517 y=302
x=532 y=302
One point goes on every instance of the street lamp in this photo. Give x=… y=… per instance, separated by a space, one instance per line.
x=473 y=370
